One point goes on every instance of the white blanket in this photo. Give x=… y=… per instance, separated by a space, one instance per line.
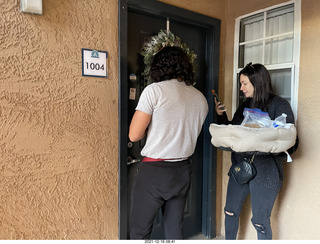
x=244 y=139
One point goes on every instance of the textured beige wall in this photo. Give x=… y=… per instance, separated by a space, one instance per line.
x=59 y=130
x=296 y=213
x=211 y=8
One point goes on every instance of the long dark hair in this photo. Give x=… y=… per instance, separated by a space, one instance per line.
x=171 y=63
x=261 y=81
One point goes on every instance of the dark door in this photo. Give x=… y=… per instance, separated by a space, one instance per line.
x=140 y=27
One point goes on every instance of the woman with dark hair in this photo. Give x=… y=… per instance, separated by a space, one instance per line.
x=171 y=112
x=264 y=187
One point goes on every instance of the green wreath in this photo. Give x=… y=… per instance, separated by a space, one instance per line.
x=163 y=39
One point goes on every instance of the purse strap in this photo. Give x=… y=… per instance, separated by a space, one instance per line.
x=252 y=158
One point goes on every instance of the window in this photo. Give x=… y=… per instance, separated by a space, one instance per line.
x=271 y=37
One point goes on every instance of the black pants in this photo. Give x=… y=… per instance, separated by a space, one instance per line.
x=159 y=185
x=263 y=189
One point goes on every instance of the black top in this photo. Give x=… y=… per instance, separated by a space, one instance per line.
x=276 y=106
x=264 y=161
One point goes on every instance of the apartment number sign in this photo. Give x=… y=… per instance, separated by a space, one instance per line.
x=94 y=63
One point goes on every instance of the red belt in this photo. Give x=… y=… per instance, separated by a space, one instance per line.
x=146 y=159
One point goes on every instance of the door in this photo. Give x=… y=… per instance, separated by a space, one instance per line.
x=141 y=25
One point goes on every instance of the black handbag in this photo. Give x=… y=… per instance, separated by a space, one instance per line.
x=243 y=171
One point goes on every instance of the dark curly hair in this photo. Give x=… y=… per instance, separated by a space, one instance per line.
x=171 y=63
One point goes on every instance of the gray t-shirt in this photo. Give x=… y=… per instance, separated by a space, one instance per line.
x=178 y=113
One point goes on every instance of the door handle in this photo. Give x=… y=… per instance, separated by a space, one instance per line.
x=131 y=160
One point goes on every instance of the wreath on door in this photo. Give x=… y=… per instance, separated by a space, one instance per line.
x=163 y=39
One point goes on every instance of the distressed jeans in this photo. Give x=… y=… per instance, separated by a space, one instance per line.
x=262 y=201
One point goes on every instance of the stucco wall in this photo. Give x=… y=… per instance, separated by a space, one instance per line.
x=295 y=214
x=59 y=130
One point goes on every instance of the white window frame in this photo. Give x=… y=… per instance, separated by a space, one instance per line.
x=294 y=65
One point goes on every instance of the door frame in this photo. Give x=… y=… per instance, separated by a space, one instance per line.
x=212 y=27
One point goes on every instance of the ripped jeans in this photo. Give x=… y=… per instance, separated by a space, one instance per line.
x=262 y=200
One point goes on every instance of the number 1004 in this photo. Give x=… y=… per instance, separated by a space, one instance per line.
x=94 y=66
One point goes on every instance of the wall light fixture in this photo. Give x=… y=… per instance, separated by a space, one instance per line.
x=31 y=6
